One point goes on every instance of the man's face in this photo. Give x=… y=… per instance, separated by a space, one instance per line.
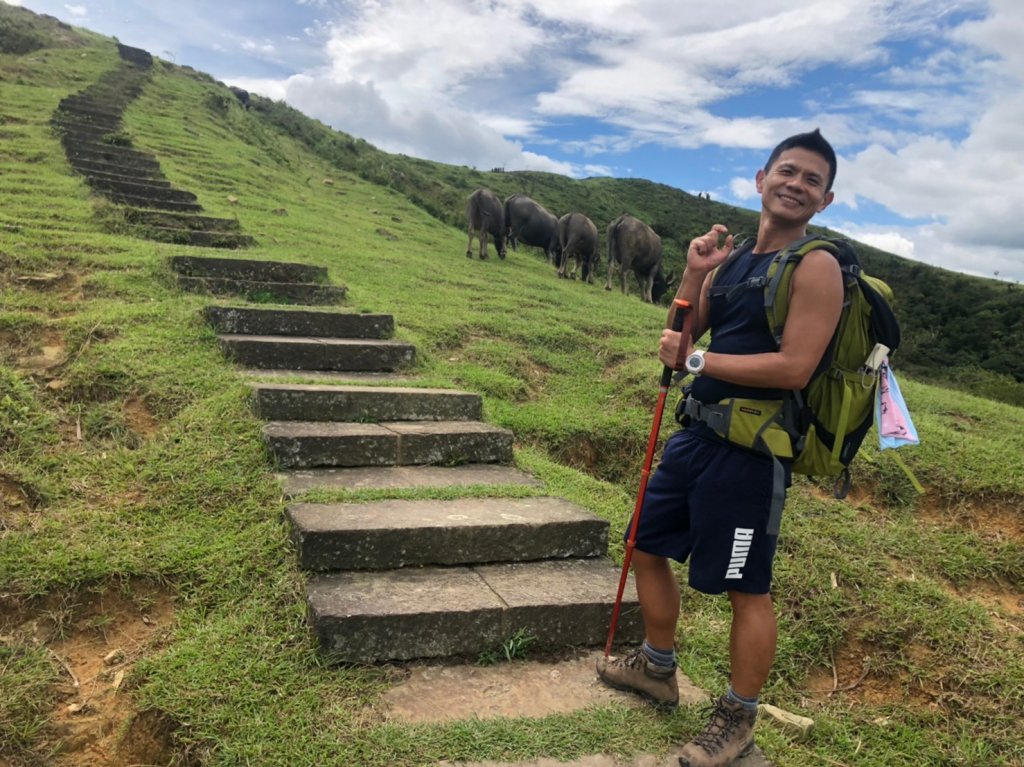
x=793 y=188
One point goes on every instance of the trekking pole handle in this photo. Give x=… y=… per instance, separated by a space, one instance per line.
x=679 y=322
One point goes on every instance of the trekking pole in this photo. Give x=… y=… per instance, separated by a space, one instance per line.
x=678 y=320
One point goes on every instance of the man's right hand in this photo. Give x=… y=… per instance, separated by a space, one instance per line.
x=705 y=253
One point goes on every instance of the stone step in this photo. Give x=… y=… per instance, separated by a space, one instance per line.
x=76 y=148
x=431 y=612
x=111 y=156
x=199 y=238
x=248 y=269
x=83 y=108
x=156 y=203
x=291 y=353
x=131 y=173
x=86 y=131
x=390 y=534
x=182 y=221
x=70 y=119
x=115 y=176
x=300 y=481
x=312 y=444
x=295 y=402
x=278 y=292
x=254 y=321
x=163 y=193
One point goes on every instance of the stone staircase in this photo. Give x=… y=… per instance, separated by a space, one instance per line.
x=398 y=580
x=89 y=124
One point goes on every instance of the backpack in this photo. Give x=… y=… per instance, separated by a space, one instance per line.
x=822 y=426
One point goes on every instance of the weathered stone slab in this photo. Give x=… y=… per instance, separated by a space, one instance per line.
x=103 y=175
x=183 y=220
x=398 y=533
x=294 y=402
x=403 y=614
x=295 y=483
x=122 y=153
x=149 y=191
x=110 y=154
x=451 y=442
x=288 y=353
x=255 y=321
x=206 y=239
x=248 y=269
x=564 y=602
x=308 y=444
x=297 y=444
x=143 y=201
x=447 y=692
x=430 y=612
x=282 y=292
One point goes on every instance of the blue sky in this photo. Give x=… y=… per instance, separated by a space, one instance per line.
x=923 y=99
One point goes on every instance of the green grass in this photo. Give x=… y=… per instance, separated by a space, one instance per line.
x=136 y=457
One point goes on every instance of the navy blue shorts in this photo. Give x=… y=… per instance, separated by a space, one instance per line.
x=708 y=502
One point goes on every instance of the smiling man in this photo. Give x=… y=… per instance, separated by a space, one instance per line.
x=710 y=501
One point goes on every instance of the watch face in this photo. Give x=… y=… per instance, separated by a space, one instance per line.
x=695 y=363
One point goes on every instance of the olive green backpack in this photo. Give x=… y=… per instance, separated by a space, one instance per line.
x=822 y=426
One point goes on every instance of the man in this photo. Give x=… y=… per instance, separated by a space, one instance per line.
x=709 y=501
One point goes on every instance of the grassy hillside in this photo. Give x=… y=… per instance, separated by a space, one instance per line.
x=133 y=479
x=959 y=331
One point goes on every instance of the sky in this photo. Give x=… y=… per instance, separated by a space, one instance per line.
x=922 y=99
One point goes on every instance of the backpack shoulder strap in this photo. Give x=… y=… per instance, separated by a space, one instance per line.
x=730 y=291
x=780 y=276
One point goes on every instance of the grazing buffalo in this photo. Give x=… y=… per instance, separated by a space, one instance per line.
x=486 y=216
x=632 y=245
x=578 y=237
x=530 y=222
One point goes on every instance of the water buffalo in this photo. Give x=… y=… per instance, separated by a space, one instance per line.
x=486 y=216
x=632 y=245
x=578 y=237
x=530 y=222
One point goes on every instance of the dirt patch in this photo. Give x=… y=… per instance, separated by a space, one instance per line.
x=998 y=521
x=45 y=352
x=95 y=637
x=140 y=418
x=854 y=675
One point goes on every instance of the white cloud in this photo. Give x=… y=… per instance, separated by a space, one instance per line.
x=78 y=11
x=12 y=2
x=743 y=188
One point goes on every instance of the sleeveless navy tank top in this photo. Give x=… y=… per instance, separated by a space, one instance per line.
x=738 y=326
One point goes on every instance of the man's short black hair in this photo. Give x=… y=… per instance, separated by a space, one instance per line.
x=813 y=142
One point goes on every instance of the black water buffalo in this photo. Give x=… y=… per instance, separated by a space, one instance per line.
x=633 y=245
x=578 y=237
x=486 y=216
x=531 y=223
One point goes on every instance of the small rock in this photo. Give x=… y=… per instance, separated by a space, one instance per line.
x=118 y=679
x=328 y=182
x=799 y=727
x=114 y=657
x=232 y=199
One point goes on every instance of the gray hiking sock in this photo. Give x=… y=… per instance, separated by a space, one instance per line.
x=750 y=704
x=662 y=659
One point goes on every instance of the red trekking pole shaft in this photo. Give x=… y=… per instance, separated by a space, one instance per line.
x=678 y=321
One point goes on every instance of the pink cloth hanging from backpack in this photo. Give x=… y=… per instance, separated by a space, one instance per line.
x=894 y=425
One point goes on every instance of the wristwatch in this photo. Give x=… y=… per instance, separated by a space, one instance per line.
x=695 y=362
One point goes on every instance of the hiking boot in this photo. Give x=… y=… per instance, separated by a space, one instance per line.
x=729 y=736
x=634 y=673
